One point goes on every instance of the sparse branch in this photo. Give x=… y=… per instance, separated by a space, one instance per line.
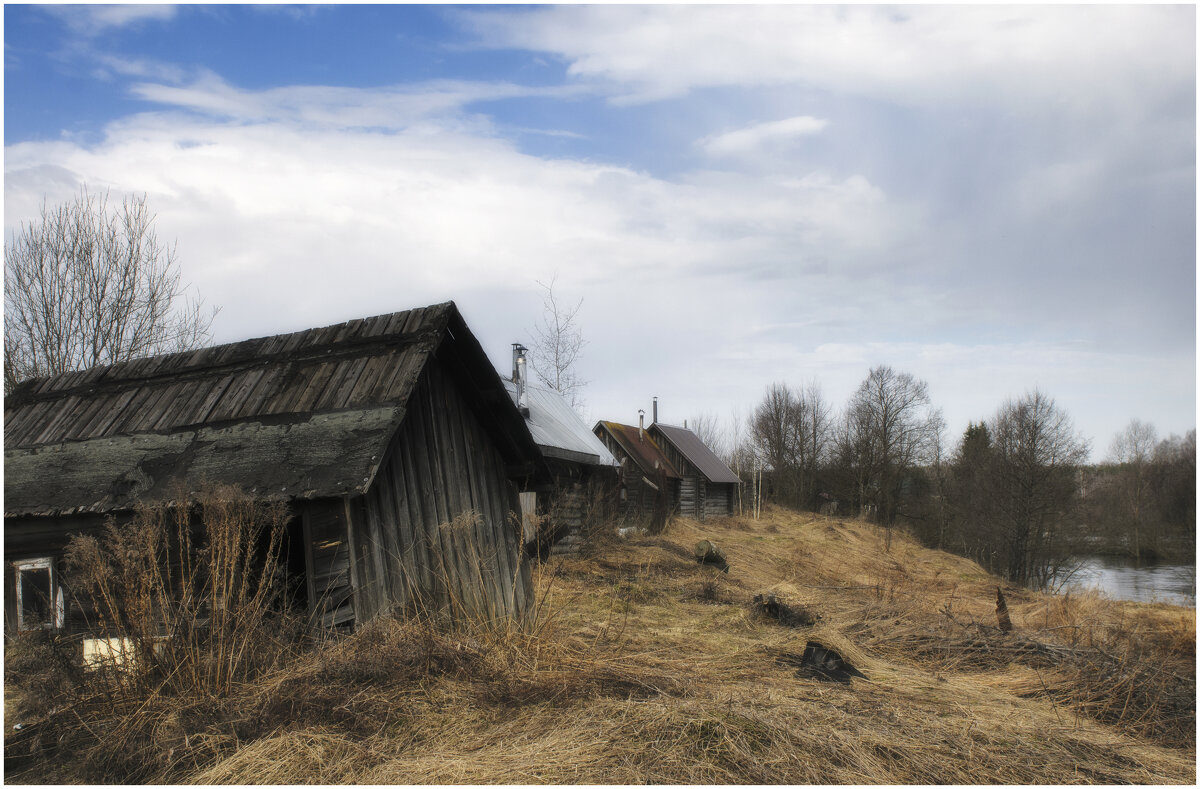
x=557 y=346
x=86 y=284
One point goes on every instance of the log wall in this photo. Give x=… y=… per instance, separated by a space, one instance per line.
x=718 y=499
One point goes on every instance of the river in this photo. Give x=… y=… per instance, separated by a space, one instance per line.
x=1118 y=578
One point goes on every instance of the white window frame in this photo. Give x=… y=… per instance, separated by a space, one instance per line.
x=58 y=604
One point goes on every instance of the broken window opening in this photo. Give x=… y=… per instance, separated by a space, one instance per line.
x=40 y=601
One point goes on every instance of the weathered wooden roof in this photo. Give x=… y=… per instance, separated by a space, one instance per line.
x=558 y=431
x=366 y=362
x=696 y=452
x=301 y=415
x=640 y=448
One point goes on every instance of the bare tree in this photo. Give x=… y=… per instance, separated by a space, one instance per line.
x=1133 y=450
x=890 y=428
x=557 y=345
x=792 y=430
x=86 y=285
x=741 y=458
x=707 y=427
x=816 y=432
x=939 y=478
x=1035 y=457
x=1174 y=487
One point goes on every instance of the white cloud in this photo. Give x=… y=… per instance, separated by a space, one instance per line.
x=284 y=211
x=91 y=19
x=1091 y=58
x=142 y=68
x=395 y=107
x=751 y=138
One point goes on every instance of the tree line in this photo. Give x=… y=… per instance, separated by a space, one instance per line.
x=1014 y=492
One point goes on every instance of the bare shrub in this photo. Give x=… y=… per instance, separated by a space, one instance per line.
x=189 y=600
x=41 y=673
x=189 y=596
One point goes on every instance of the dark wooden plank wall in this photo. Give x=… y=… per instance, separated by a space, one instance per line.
x=639 y=497
x=417 y=546
x=718 y=499
x=327 y=559
x=708 y=498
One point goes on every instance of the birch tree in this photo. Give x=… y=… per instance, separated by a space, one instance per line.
x=557 y=345
x=1133 y=450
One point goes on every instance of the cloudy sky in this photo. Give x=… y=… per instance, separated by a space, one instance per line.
x=990 y=198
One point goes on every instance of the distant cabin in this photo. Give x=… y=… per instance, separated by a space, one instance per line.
x=707 y=488
x=581 y=467
x=648 y=478
x=377 y=433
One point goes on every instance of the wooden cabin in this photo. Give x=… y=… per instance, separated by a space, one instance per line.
x=378 y=433
x=706 y=485
x=584 y=472
x=649 y=481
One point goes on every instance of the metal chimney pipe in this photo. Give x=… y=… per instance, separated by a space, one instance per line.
x=521 y=378
x=641 y=422
x=654 y=421
x=518 y=352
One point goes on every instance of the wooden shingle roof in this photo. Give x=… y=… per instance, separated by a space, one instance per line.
x=301 y=415
x=372 y=361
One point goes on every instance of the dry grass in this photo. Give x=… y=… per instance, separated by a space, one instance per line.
x=646 y=667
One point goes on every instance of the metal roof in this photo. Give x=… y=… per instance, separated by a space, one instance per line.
x=557 y=429
x=302 y=415
x=641 y=449
x=696 y=452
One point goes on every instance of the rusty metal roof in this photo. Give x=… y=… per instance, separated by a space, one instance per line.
x=696 y=452
x=641 y=449
x=301 y=415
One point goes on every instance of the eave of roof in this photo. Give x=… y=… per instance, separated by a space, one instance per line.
x=325 y=455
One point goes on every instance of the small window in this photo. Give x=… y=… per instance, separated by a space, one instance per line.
x=40 y=601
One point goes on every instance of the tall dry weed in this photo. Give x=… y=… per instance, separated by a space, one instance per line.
x=190 y=598
x=186 y=604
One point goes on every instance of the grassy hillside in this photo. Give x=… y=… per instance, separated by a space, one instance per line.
x=645 y=666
